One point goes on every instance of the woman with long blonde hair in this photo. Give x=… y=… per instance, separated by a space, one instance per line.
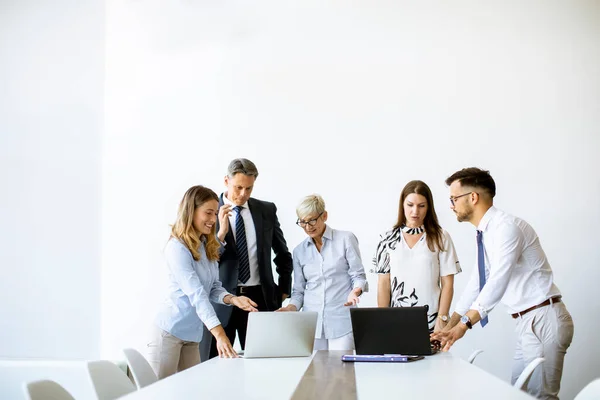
x=192 y=255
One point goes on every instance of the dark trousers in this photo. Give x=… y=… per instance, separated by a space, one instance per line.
x=238 y=322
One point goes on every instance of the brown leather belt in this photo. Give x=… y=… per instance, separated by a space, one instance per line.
x=543 y=304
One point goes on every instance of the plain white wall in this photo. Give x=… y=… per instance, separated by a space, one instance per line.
x=51 y=100
x=352 y=100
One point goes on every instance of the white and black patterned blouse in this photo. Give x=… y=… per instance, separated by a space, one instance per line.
x=415 y=273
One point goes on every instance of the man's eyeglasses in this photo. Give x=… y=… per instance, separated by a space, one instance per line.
x=454 y=198
x=312 y=222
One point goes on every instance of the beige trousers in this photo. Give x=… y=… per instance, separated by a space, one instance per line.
x=546 y=332
x=168 y=354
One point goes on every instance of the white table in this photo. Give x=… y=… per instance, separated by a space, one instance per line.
x=441 y=376
x=221 y=379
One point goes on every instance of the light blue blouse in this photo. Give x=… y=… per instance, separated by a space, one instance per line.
x=192 y=286
x=323 y=281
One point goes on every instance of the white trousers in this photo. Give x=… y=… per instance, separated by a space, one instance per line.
x=545 y=332
x=345 y=342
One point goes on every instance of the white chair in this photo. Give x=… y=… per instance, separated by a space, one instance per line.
x=142 y=372
x=590 y=392
x=108 y=380
x=521 y=382
x=45 y=390
x=474 y=355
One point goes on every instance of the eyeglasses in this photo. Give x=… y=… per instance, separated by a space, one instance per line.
x=312 y=222
x=453 y=199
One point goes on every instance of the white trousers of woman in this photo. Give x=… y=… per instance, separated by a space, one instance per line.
x=345 y=342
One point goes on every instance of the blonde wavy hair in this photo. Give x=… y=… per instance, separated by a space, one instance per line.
x=183 y=228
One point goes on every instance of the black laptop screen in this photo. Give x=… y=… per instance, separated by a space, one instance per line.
x=399 y=330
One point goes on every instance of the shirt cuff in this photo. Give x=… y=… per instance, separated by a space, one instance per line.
x=478 y=307
x=461 y=310
x=296 y=303
x=222 y=296
x=221 y=247
x=212 y=322
x=363 y=284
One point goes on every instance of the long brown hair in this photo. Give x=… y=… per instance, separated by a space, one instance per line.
x=432 y=226
x=183 y=228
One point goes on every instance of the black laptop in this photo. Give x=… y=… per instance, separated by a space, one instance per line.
x=398 y=330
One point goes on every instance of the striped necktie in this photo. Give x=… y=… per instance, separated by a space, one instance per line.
x=241 y=246
x=481 y=267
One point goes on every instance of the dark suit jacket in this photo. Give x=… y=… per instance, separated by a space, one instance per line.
x=268 y=236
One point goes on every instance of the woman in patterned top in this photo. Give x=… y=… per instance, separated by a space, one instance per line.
x=416 y=260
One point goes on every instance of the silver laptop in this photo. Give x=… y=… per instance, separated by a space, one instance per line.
x=280 y=334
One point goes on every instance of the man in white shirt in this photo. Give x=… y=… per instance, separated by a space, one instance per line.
x=511 y=267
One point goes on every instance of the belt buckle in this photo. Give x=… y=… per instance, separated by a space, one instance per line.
x=242 y=289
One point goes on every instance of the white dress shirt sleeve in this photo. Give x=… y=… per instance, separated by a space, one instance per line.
x=297 y=298
x=469 y=294
x=181 y=266
x=503 y=257
x=356 y=269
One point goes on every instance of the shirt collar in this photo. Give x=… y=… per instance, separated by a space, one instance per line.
x=328 y=234
x=485 y=220
x=227 y=201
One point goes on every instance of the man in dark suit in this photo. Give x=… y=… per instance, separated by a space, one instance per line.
x=245 y=266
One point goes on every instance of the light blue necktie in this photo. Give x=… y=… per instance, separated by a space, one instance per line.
x=241 y=246
x=481 y=267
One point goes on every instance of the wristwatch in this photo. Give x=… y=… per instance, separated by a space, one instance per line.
x=444 y=318
x=467 y=321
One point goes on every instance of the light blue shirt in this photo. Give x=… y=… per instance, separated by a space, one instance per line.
x=323 y=281
x=192 y=286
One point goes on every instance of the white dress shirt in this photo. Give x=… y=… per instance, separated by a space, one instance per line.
x=323 y=280
x=516 y=268
x=250 y=240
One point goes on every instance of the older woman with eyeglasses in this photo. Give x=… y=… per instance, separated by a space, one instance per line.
x=329 y=276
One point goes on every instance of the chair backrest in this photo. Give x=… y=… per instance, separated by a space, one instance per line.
x=108 y=380
x=590 y=392
x=521 y=382
x=142 y=372
x=474 y=355
x=45 y=390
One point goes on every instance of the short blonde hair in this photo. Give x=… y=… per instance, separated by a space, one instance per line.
x=312 y=204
